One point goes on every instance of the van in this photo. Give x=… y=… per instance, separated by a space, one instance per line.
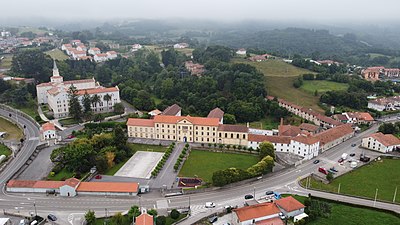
x=323 y=170
x=34 y=222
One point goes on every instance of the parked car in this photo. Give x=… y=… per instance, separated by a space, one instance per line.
x=248 y=197
x=226 y=224
x=353 y=145
x=316 y=161
x=269 y=193
x=98 y=176
x=282 y=216
x=210 y=205
x=213 y=219
x=334 y=170
x=70 y=136
x=51 y=217
x=340 y=160
x=352 y=154
x=323 y=170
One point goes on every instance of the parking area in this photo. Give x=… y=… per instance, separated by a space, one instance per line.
x=149 y=141
x=345 y=165
x=40 y=167
x=140 y=165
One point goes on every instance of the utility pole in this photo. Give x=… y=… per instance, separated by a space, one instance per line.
x=395 y=193
x=376 y=195
x=34 y=205
x=189 y=206
x=254 y=192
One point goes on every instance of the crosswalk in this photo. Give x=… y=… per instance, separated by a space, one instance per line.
x=197 y=209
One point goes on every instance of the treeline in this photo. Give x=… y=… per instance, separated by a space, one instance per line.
x=323 y=69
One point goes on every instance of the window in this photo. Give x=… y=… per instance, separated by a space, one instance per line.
x=237 y=136
x=244 y=136
x=231 y=135
x=226 y=135
x=208 y=128
x=208 y=133
x=162 y=125
x=168 y=126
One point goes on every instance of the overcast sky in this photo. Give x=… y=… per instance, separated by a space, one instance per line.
x=358 y=10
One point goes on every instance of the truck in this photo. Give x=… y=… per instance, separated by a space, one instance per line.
x=344 y=156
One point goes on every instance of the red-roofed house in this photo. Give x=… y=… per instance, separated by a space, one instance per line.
x=381 y=142
x=290 y=206
x=111 y=55
x=252 y=214
x=48 y=131
x=334 y=136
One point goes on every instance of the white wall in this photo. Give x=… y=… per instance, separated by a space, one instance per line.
x=373 y=144
x=66 y=189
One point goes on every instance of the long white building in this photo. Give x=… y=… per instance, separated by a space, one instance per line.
x=55 y=94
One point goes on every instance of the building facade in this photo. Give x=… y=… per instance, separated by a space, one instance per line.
x=380 y=142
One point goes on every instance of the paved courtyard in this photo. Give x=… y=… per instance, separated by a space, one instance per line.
x=140 y=165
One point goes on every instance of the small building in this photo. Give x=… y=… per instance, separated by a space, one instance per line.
x=111 y=55
x=255 y=213
x=181 y=45
x=384 y=143
x=172 y=110
x=48 y=131
x=259 y=58
x=154 y=112
x=68 y=189
x=101 y=57
x=5 y=221
x=144 y=219
x=94 y=51
x=299 y=217
x=290 y=207
x=136 y=47
x=334 y=136
x=241 y=51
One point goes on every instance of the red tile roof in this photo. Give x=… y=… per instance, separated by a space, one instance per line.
x=79 y=81
x=308 y=140
x=140 y=122
x=233 y=128
x=72 y=182
x=386 y=139
x=289 y=204
x=144 y=219
x=216 y=113
x=21 y=183
x=256 y=211
x=308 y=127
x=97 y=90
x=334 y=133
x=108 y=187
x=48 y=126
x=288 y=130
x=271 y=139
x=48 y=184
x=272 y=221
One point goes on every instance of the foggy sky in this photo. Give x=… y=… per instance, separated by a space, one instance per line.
x=314 y=10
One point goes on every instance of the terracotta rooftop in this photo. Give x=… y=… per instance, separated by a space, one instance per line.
x=272 y=221
x=48 y=184
x=361 y=116
x=108 y=187
x=386 y=139
x=334 y=133
x=48 y=126
x=72 y=182
x=21 y=183
x=79 y=81
x=271 y=139
x=256 y=211
x=101 y=55
x=308 y=127
x=308 y=140
x=289 y=204
x=155 y=112
x=288 y=130
x=216 y=113
x=172 y=110
x=233 y=128
x=194 y=120
x=140 y=122
x=97 y=90
x=144 y=219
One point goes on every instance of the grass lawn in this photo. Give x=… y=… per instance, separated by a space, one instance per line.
x=352 y=215
x=170 y=221
x=57 y=54
x=115 y=168
x=365 y=180
x=63 y=174
x=6 y=62
x=4 y=150
x=68 y=121
x=322 y=86
x=204 y=163
x=147 y=148
x=13 y=131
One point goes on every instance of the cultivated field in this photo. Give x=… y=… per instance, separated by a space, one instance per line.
x=204 y=163
x=57 y=54
x=365 y=180
x=13 y=131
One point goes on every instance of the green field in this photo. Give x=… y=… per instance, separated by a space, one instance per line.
x=204 y=163
x=322 y=86
x=62 y=175
x=31 y=29
x=13 y=131
x=365 y=180
x=68 y=121
x=147 y=148
x=6 y=62
x=353 y=215
x=57 y=54
x=279 y=78
x=4 y=150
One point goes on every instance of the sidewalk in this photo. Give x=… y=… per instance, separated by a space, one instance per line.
x=41 y=114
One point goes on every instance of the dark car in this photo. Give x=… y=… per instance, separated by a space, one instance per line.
x=352 y=154
x=334 y=170
x=353 y=145
x=316 y=161
x=51 y=217
x=248 y=196
x=98 y=176
x=213 y=219
x=269 y=193
x=340 y=160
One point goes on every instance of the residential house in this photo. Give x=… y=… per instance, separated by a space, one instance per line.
x=181 y=45
x=111 y=55
x=64 y=47
x=241 y=51
x=136 y=47
x=76 y=54
x=101 y=57
x=255 y=214
x=259 y=58
x=384 y=143
x=194 y=68
x=372 y=73
x=48 y=131
x=155 y=112
x=290 y=207
x=94 y=51
x=385 y=104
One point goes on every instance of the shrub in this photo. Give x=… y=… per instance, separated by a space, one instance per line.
x=175 y=214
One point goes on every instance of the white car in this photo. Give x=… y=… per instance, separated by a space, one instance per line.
x=210 y=205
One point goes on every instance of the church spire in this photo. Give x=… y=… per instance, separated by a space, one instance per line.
x=54 y=65
x=55 y=69
x=56 y=78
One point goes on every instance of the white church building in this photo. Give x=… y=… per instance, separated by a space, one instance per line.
x=55 y=94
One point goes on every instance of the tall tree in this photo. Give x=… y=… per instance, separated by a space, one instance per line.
x=266 y=148
x=95 y=100
x=87 y=105
x=75 y=109
x=90 y=217
x=107 y=98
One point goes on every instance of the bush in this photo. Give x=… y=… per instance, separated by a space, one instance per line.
x=161 y=220
x=175 y=214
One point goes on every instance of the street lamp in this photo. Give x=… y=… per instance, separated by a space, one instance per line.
x=189 y=206
x=254 y=192
x=34 y=205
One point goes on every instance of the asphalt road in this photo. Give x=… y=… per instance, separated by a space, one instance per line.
x=70 y=210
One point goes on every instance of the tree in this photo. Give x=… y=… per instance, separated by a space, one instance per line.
x=229 y=118
x=152 y=212
x=119 y=108
x=75 y=109
x=266 y=148
x=107 y=98
x=161 y=220
x=90 y=217
x=87 y=105
x=119 y=137
x=133 y=212
x=95 y=99
x=329 y=177
x=118 y=218
x=175 y=214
